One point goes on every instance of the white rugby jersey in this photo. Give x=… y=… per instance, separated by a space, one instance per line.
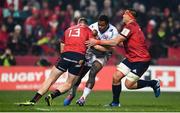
x=93 y=54
x=110 y=33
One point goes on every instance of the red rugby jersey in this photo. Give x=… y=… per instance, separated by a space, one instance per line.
x=75 y=37
x=135 y=46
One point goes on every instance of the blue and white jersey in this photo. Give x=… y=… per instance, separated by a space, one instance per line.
x=110 y=33
x=95 y=55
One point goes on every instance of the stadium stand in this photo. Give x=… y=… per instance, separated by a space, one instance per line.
x=33 y=28
x=168 y=62
x=30 y=60
x=174 y=53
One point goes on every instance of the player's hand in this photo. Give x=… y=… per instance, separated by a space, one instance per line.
x=95 y=32
x=91 y=42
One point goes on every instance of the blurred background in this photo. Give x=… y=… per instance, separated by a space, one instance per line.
x=30 y=31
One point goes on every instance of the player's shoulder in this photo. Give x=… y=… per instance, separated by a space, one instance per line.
x=94 y=25
x=112 y=28
x=87 y=29
x=132 y=25
x=78 y=26
x=72 y=27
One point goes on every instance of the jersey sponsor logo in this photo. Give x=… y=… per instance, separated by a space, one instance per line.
x=125 y=32
x=167 y=77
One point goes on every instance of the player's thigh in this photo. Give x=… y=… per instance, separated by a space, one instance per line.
x=63 y=64
x=76 y=63
x=131 y=80
x=75 y=71
x=102 y=60
x=124 y=67
x=122 y=70
x=96 y=67
x=71 y=61
x=72 y=79
x=54 y=74
x=137 y=70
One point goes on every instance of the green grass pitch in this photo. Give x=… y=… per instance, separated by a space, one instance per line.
x=130 y=102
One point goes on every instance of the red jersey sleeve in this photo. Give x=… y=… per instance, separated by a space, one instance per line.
x=126 y=31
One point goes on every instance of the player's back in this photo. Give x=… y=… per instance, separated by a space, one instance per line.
x=75 y=37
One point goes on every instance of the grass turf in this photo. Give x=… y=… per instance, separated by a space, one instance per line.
x=130 y=102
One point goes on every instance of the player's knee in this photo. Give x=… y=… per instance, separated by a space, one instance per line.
x=117 y=77
x=93 y=71
x=96 y=67
x=91 y=80
x=92 y=76
x=131 y=80
x=128 y=86
x=115 y=80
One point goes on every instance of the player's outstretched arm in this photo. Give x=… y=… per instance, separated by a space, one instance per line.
x=112 y=42
x=102 y=48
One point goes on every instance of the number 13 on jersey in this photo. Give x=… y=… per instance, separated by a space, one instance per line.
x=74 y=32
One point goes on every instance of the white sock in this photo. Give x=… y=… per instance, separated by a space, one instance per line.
x=86 y=92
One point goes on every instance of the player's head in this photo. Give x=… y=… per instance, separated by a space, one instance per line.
x=129 y=14
x=83 y=20
x=103 y=23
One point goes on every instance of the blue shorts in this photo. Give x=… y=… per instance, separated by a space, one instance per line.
x=71 y=61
